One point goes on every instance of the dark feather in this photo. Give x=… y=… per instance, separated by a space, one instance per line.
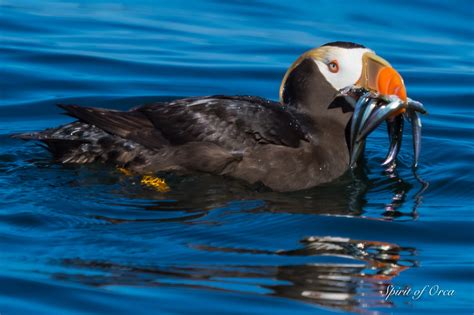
x=79 y=142
x=208 y=134
x=340 y=44
x=129 y=125
x=236 y=122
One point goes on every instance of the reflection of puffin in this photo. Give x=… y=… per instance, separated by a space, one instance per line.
x=348 y=275
x=295 y=144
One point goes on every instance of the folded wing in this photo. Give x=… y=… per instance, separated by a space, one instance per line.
x=235 y=123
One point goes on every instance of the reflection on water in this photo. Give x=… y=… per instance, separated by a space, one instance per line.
x=346 y=196
x=356 y=282
x=357 y=286
x=393 y=183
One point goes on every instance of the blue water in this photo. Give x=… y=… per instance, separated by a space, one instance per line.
x=91 y=240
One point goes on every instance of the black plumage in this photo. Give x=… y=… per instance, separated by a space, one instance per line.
x=341 y=44
x=233 y=122
x=292 y=145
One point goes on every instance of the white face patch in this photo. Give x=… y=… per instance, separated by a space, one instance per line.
x=350 y=65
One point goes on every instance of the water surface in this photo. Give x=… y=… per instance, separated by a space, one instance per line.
x=88 y=239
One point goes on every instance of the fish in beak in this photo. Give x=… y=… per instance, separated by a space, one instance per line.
x=382 y=97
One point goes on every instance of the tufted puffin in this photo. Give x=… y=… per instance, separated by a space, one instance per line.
x=297 y=143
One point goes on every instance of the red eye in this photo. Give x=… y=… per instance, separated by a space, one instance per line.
x=333 y=66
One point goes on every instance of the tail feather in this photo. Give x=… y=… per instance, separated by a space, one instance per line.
x=59 y=141
x=28 y=136
x=122 y=138
x=81 y=143
x=130 y=125
x=60 y=148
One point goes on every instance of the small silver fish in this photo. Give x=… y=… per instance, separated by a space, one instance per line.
x=372 y=109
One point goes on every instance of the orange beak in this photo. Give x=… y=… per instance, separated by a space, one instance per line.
x=378 y=75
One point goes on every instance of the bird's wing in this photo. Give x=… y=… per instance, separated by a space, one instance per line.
x=129 y=125
x=235 y=122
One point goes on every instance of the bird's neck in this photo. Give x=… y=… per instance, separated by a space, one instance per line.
x=327 y=136
x=307 y=91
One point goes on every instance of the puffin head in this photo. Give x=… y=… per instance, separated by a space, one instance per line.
x=313 y=81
